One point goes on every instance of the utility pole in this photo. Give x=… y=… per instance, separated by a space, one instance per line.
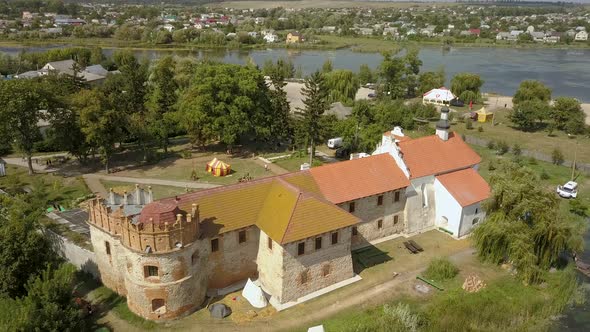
x=574 y=163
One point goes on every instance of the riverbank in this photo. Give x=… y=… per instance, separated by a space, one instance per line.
x=326 y=42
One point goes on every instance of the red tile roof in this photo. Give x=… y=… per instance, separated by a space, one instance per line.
x=431 y=155
x=466 y=186
x=349 y=180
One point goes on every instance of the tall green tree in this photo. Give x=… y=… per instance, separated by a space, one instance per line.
x=315 y=105
x=467 y=86
x=342 y=85
x=365 y=74
x=525 y=225
x=567 y=114
x=532 y=90
x=431 y=80
x=100 y=121
x=161 y=98
x=22 y=104
x=281 y=128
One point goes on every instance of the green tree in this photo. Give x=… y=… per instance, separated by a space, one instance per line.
x=532 y=90
x=24 y=251
x=430 y=80
x=342 y=85
x=161 y=98
x=527 y=115
x=327 y=66
x=100 y=121
x=467 y=86
x=281 y=128
x=366 y=75
x=22 y=102
x=524 y=224
x=315 y=104
x=567 y=114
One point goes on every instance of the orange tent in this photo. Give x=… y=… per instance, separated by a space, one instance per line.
x=218 y=167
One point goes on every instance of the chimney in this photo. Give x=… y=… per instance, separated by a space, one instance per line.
x=111 y=196
x=443 y=125
x=150 y=195
x=137 y=194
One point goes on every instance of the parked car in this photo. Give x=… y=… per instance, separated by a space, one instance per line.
x=457 y=102
x=568 y=190
x=335 y=143
x=372 y=96
x=343 y=153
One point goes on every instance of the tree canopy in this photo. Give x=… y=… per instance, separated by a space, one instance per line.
x=467 y=87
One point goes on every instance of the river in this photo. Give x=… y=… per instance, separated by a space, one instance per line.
x=565 y=71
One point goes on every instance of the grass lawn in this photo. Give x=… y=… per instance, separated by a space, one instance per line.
x=65 y=190
x=533 y=141
x=158 y=190
x=181 y=169
x=294 y=162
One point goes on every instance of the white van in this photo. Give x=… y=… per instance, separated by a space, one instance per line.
x=335 y=143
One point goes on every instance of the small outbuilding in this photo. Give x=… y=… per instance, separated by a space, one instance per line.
x=441 y=96
x=218 y=167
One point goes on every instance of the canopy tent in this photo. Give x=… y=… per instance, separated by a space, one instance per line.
x=483 y=115
x=254 y=295
x=218 y=167
x=442 y=96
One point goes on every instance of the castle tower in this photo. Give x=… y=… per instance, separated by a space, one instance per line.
x=443 y=125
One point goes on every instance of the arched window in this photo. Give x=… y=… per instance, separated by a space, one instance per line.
x=158 y=305
x=475 y=221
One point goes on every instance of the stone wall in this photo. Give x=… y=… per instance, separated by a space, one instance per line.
x=370 y=213
x=270 y=266
x=316 y=269
x=83 y=259
x=420 y=216
x=234 y=261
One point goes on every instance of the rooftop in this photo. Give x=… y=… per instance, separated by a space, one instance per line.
x=466 y=186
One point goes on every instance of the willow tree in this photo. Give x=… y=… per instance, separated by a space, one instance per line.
x=342 y=85
x=525 y=226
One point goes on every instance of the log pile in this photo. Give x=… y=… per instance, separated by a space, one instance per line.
x=473 y=284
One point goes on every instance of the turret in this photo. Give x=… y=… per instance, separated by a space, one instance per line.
x=443 y=125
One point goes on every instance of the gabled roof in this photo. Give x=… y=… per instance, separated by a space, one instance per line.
x=349 y=180
x=430 y=155
x=466 y=186
x=287 y=208
x=439 y=94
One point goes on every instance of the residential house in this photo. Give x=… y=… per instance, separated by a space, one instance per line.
x=294 y=38
x=537 y=36
x=582 y=35
x=271 y=38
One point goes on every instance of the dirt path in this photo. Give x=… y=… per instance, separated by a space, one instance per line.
x=272 y=167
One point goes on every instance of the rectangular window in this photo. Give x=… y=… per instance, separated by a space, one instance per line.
x=326 y=269
x=150 y=271
x=214 y=245
x=379 y=223
x=303 y=277
x=242 y=237
x=318 y=243
x=380 y=200
x=351 y=207
x=301 y=248
x=355 y=231
x=107 y=246
x=396 y=196
x=269 y=243
x=334 y=237
x=395 y=220
x=475 y=210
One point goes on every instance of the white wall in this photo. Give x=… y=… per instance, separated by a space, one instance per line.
x=447 y=206
x=471 y=212
x=417 y=216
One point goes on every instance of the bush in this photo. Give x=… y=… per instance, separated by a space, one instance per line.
x=544 y=175
x=480 y=129
x=491 y=166
x=516 y=150
x=491 y=145
x=441 y=269
x=468 y=124
x=502 y=147
x=186 y=154
x=557 y=156
x=578 y=207
x=532 y=161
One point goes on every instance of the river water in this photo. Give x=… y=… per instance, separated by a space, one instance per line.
x=566 y=72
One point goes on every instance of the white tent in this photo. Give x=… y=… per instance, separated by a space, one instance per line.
x=442 y=96
x=254 y=295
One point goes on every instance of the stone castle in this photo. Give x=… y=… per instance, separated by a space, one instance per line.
x=292 y=233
